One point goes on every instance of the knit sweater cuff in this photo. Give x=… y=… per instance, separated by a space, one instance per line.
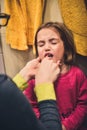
x=20 y=82
x=45 y=91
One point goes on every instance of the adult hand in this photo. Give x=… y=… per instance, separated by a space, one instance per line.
x=30 y=69
x=63 y=127
x=48 y=71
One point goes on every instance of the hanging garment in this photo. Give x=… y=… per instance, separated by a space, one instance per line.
x=74 y=14
x=25 y=17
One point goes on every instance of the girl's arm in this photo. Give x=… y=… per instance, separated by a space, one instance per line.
x=77 y=117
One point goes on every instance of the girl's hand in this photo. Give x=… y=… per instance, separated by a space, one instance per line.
x=30 y=69
x=48 y=71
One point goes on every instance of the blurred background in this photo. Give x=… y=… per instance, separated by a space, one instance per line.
x=17 y=38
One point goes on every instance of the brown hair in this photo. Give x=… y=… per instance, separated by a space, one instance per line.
x=67 y=38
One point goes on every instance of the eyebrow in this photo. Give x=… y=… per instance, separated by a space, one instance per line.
x=41 y=41
x=51 y=39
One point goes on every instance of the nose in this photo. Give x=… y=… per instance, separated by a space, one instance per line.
x=47 y=46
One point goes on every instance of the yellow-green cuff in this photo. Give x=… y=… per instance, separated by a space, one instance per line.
x=45 y=91
x=20 y=82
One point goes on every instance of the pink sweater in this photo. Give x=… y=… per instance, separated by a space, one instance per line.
x=71 y=94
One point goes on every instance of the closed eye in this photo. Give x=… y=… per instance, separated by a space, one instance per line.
x=40 y=44
x=54 y=41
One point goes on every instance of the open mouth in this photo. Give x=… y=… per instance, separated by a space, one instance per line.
x=49 y=55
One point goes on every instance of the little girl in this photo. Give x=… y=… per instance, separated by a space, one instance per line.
x=55 y=45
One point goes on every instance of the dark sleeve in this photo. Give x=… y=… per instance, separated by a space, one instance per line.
x=15 y=110
x=49 y=115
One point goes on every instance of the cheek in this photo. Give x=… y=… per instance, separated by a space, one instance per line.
x=59 y=53
x=40 y=53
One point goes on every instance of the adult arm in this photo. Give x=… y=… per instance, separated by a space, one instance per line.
x=28 y=71
x=49 y=114
x=45 y=94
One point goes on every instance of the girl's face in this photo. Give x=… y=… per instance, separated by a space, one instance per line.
x=49 y=43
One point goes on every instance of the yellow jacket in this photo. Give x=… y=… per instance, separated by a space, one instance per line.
x=26 y=16
x=74 y=14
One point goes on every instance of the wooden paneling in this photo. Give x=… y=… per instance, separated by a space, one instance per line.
x=1 y=64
